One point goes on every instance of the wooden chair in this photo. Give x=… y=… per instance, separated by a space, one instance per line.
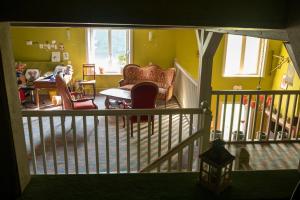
x=143 y=96
x=87 y=71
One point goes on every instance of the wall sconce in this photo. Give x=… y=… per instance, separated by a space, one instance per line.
x=68 y=32
x=150 y=36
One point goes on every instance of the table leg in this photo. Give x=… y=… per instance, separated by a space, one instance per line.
x=107 y=104
x=37 y=98
x=94 y=90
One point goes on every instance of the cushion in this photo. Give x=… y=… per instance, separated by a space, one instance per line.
x=84 y=105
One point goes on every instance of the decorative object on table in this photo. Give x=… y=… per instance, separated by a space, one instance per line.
x=55 y=56
x=282 y=135
x=216 y=134
x=216 y=167
x=261 y=135
x=260 y=101
x=32 y=74
x=238 y=136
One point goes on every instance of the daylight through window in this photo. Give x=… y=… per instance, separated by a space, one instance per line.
x=109 y=49
x=244 y=56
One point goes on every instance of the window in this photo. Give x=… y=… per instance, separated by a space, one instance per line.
x=109 y=49
x=244 y=56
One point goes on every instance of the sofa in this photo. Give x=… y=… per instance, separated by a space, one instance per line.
x=163 y=78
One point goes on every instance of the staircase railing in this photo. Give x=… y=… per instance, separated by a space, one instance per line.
x=192 y=158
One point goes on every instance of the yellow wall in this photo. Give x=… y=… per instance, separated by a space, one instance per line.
x=186 y=55
x=187 y=50
x=160 y=51
x=277 y=81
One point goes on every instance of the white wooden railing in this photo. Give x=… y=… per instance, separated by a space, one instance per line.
x=176 y=152
x=94 y=141
x=250 y=121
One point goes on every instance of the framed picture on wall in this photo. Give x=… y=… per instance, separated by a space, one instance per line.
x=55 y=56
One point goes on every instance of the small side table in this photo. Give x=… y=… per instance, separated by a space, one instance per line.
x=92 y=83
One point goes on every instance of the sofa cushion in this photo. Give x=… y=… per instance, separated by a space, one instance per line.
x=161 y=91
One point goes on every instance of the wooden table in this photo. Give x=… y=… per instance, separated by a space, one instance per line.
x=42 y=84
x=115 y=94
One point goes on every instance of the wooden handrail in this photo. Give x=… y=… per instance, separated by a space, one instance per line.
x=113 y=112
x=173 y=151
x=252 y=92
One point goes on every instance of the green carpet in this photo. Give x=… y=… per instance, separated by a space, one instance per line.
x=246 y=185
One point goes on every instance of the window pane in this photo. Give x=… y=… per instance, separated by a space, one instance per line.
x=251 y=55
x=101 y=47
x=233 y=54
x=118 y=45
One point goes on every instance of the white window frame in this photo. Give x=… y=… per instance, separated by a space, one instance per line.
x=129 y=48
x=261 y=63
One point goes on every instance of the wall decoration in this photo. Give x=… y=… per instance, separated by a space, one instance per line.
x=290 y=74
x=284 y=84
x=55 y=57
x=65 y=56
x=32 y=74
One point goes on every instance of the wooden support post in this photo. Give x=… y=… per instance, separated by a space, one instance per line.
x=13 y=158
x=208 y=43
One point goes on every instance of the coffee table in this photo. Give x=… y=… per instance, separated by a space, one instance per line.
x=115 y=94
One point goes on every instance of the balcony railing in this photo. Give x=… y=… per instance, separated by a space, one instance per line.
x=95 y=141
x=253 y=116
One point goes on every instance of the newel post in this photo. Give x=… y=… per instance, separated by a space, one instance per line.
x=208 y=43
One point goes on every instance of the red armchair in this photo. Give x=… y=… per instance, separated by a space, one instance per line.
x=143 y=96
x=68 y=98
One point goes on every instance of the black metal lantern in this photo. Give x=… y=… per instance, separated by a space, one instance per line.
x=216 y=167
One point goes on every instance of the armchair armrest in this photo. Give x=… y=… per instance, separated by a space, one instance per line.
x=122 y=82
x=83 y=99
x=169 y=92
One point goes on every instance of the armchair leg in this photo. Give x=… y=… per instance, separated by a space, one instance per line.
x=123 y=122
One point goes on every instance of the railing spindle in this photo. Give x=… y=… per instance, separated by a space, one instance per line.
x=270 y=116
x=257 y=102
x=293 y=115
x=232 y=117
x=170 y=141
x=107 y=145
x=247 y=119
x=138 y=142
x=285 y=116
x=149 y=139
x=33 y=157
x=263 y=115
x=117 y=144
x=75 y=143
x=179 y=141
x=159 y=138
x=96 y=122
x=43 y=144
x=217 y=115
x=86 y=153
x=128 y=143
x=53 y=141
x=277 y=117
x=191 y=146
x=240 y=115
x=63 y=133
x=224 y=116
x=297 y=127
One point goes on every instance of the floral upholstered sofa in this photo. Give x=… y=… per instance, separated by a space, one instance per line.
x=133 y=74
